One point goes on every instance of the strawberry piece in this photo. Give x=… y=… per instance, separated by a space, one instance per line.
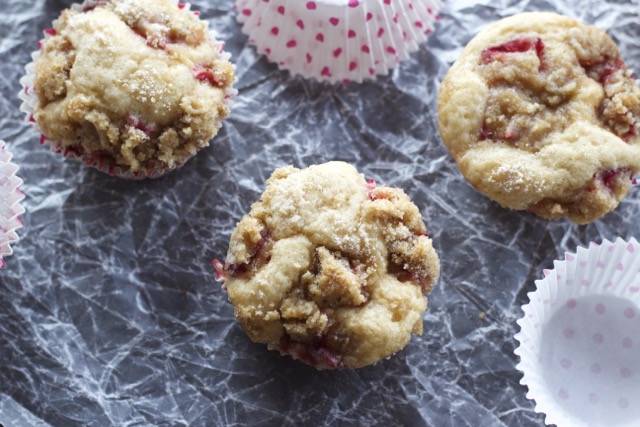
x=486 y=133
x=235 y=269
x=207 y=75
x=374 y=197
x=332 y=359
x=632 y=132
x=140 y=34
x=512 y=133
x=305 y=356
x=373 y=194
x=76 y=150
x=156 y=43
x=153 y=40
x=135 y=122
x=609 y=69
x=371 y=184
x=316 y=354
x=609 y=178
x=407 y=276
x=221 y=274
x=498 y=53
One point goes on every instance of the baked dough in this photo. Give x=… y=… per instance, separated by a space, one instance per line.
x=541 y=114
x=138 y=84
x=329 y=268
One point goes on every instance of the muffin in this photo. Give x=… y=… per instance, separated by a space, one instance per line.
x=329 y=268
x=135 y=85
x=541 y=114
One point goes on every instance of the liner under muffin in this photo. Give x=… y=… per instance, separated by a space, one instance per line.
x=580 y=338
x=337 y=40
x=30 y=99
x=10 y=207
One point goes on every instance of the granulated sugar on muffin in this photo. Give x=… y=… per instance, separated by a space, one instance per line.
x=541 y=114
x=139 y=85
x=329 y=268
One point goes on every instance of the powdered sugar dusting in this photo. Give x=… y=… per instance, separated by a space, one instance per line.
x=516 y=176
x=147 y=86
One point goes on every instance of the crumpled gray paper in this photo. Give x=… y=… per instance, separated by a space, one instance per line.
x=109 y=313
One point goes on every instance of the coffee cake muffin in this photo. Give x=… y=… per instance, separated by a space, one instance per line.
x=137 y=85
x=329 y=268
x=541 y=114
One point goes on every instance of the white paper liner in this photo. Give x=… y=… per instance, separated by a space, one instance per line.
x=337 y=40
x=580 y=338
x=10 y=207
x=30 y=99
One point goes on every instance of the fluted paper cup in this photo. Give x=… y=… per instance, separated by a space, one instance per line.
x=30 y=99
x=10 y=207
x=580 y=338
x=337 y=40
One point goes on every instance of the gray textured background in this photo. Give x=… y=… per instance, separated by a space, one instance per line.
x=109 y=314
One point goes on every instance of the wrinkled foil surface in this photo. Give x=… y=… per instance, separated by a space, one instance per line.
x=109 y=313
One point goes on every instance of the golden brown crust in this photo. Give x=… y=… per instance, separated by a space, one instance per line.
x=330 y=269
x=137 y=83
x=537 y=110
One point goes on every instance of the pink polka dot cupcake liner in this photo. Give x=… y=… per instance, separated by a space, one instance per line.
x=337 y=40
x=10 y=207
x=29 y=100
x=580 y=338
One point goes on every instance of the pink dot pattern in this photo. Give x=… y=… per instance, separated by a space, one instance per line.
x=585 y=341
x=353 y=40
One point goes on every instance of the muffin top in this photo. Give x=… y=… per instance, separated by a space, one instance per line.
x=541 y=114
x=329 y=268
x=140 y=84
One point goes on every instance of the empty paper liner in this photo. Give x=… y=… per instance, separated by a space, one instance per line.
x=337 y=40
x=10 y=207
x=580 y=338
